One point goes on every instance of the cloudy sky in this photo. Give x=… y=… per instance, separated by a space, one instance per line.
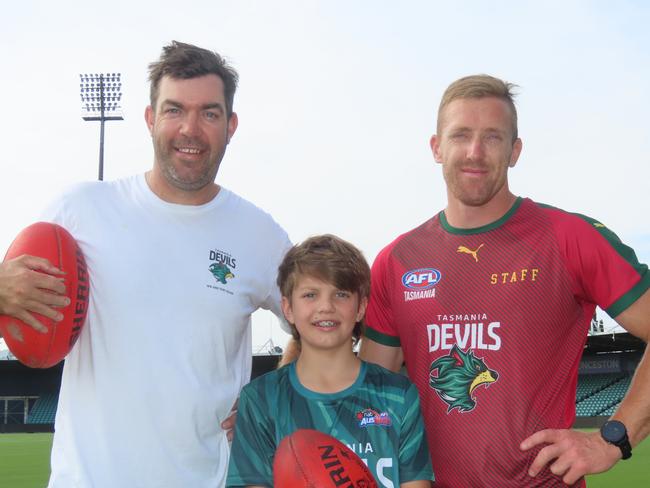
x=337 y=102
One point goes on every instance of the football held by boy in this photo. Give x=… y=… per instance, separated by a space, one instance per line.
x=325 y=285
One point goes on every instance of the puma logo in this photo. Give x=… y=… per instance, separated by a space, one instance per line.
x=467 y=250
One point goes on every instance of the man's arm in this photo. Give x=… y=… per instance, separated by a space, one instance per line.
x=634 y=410
x=29 y=285
x=229 y=424
x=573 y=454
x=387 y=356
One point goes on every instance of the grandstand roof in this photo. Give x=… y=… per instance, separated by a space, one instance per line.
x=614 y=343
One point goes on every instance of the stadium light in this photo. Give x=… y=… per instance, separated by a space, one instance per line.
x=101 y=97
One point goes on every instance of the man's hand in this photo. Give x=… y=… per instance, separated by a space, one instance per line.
x=229 y=424
x=571 y=454
x=27 y=286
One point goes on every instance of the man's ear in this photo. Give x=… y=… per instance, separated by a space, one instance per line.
x=233 y=122
x=149 y=117
x=434 y=143
x=516 y=151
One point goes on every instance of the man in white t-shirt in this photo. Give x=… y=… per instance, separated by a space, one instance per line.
x=177 y=265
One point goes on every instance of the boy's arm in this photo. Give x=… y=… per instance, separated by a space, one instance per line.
x=416 y=484
x=251 y=456
x=388 y=357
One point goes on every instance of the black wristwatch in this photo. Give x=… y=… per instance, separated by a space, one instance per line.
x=615 y=433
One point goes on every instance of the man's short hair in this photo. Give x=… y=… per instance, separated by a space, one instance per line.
x=185 y=61
x=330 y=259
x=480 y=86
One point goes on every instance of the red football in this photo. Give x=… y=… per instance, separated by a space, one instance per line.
x=33 y=348
x=311 y=459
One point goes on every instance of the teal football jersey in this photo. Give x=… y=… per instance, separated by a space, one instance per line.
x=378 y=417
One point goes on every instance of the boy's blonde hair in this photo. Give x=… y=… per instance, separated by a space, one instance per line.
x=330 y=259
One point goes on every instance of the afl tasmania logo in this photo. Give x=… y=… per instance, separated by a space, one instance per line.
x=421 y=279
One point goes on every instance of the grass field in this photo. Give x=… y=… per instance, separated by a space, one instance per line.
x=24 y=463
x=25 y=460
x=632 y=473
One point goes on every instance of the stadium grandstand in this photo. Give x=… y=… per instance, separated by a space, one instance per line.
x=608 y=362
x=28 y=397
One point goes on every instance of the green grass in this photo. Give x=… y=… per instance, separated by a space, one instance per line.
x=25 y=463
x=25 y=460
x=631 y=473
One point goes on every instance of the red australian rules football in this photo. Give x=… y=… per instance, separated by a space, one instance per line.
x=42 y=350
x=311 y=459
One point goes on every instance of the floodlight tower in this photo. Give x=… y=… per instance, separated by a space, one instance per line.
x=101 y=96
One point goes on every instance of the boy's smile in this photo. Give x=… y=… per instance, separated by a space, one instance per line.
x=326 y=323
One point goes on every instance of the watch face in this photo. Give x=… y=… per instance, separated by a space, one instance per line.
x=613 y=431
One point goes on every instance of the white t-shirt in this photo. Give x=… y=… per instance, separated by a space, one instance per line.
x=167 y=343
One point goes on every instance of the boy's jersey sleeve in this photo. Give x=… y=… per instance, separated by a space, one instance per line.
x=380 y=323
x=414 y=457
x=253 y=447
x=605 y=271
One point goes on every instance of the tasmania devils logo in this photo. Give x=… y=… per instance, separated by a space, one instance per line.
x=458 y=375
x=221 y=272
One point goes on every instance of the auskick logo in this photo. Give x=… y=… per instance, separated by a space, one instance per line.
x=368 y=416
x=456 y=376
x=467 y=250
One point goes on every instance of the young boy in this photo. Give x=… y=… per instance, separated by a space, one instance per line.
x=325 y=283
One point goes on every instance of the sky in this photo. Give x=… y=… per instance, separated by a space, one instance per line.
x=337 y=101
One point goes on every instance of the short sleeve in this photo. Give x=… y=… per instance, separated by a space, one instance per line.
x=414 y=457
x=273 y=299
x=379 y=315
x=253 y=447
x=605 y=271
